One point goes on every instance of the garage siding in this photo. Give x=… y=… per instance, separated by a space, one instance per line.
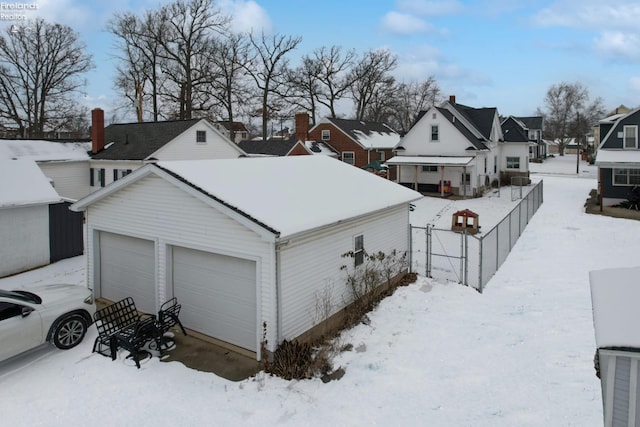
x=154 y=208
x=25 y=238
x=312 y=264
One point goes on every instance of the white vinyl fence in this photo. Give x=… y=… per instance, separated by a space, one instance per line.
x=471 y=259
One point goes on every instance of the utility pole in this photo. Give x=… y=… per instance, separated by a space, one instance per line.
x=578 y=144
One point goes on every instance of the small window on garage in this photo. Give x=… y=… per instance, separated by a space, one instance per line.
x=201 y=137
x=349 y=157
x=326 y=134
x=358 y=250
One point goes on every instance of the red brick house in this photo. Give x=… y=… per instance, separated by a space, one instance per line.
x=357 y=142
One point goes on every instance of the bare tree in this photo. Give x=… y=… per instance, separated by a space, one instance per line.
x=305 y=86
x=227 y=60
x=411 y=98
x=40 y=69
x=138 y=75
x=187 y=32
x=268 y=68
x=568 y=113
x=334 y=78
x=370 y=75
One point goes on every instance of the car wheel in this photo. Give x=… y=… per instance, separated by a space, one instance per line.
x=69 y=332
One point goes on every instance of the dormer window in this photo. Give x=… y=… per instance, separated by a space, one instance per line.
x=326 y=134
x=630 y=137
x=201 y=137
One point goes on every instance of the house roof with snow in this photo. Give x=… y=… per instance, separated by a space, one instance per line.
x=319 y=147
x=22 y=183
x=370 y=135
x=138 y=141
x=261 y=189
x=615 y=294
x=41 y=150
x=235 y=126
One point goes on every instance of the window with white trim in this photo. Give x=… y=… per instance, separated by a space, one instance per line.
x=630 y=136
x=429 y=168
x=358 y=250
x=626 y=177
x=349 y=157
x=120 y=173
x=435 y=133
x=325 y=134
x=201 y=137
x=513 y=162
x=381 y=156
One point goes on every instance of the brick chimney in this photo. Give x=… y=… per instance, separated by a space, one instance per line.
x=302 y=126
x=452 y=99
x=97 y=130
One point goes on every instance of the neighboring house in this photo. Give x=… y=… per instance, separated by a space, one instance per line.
x=517 y=139
x=291 y=147
x=66 y=164
x=457 y=149
x=240 y=131
x=611 y=117
x=614 y=296
x=36 y=226
x=533 y=126
x=119 y=149
x=248 y=246
x=618 y=158
x=357 y=142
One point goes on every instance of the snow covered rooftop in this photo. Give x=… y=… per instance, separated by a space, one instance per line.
x=42 y=151
x=23 y=183
x=606 y=157
x=377 y=140
x=292 y=194
x=429 y=160
x=615 y=296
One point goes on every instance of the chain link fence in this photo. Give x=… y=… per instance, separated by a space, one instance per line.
x=471 y=259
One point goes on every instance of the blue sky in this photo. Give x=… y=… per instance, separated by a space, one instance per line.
x=500 y=53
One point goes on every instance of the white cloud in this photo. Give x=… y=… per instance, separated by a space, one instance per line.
x=246 y=15
x=595 y=15
x=430 y=8
x=619 y=45
x=402 y=23
x=634 y=84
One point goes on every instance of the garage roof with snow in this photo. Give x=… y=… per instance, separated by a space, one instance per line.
x=22 y=183
x=292 y=194
x=615 y=296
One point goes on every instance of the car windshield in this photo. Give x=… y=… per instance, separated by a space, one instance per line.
x=21 y=296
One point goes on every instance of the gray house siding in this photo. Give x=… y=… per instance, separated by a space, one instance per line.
x=613 y=191
x=614 y=141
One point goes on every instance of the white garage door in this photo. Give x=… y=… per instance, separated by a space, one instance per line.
x=218 y=295
x=127 y=269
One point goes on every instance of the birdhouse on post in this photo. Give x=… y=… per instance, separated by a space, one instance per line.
x=465 y=220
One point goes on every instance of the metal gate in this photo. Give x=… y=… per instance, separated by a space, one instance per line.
x=440 y=252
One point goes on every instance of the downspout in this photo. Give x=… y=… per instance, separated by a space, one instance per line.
x=600 y=187
x=442 y=181
x=415 y=177
x=278 y=246
x=464 y=182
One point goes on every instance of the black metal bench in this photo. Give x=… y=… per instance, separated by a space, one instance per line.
x=121 y=325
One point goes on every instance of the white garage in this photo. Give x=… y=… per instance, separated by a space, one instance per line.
x=218 y=295
x=127 y=269
x=244 y=247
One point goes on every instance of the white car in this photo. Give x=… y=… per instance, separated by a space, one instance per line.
x=56 y=313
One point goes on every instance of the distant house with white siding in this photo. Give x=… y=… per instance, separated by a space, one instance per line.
x=119 y=149
x=244 y=244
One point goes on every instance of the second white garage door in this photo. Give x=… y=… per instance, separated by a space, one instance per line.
x=218 y=295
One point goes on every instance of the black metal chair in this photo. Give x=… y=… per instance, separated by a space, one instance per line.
x=137 y=335
x=168 y=317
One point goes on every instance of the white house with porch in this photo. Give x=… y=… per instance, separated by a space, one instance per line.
x=456 y=149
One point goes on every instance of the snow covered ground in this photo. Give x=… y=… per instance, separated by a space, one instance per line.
x=436 y=354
